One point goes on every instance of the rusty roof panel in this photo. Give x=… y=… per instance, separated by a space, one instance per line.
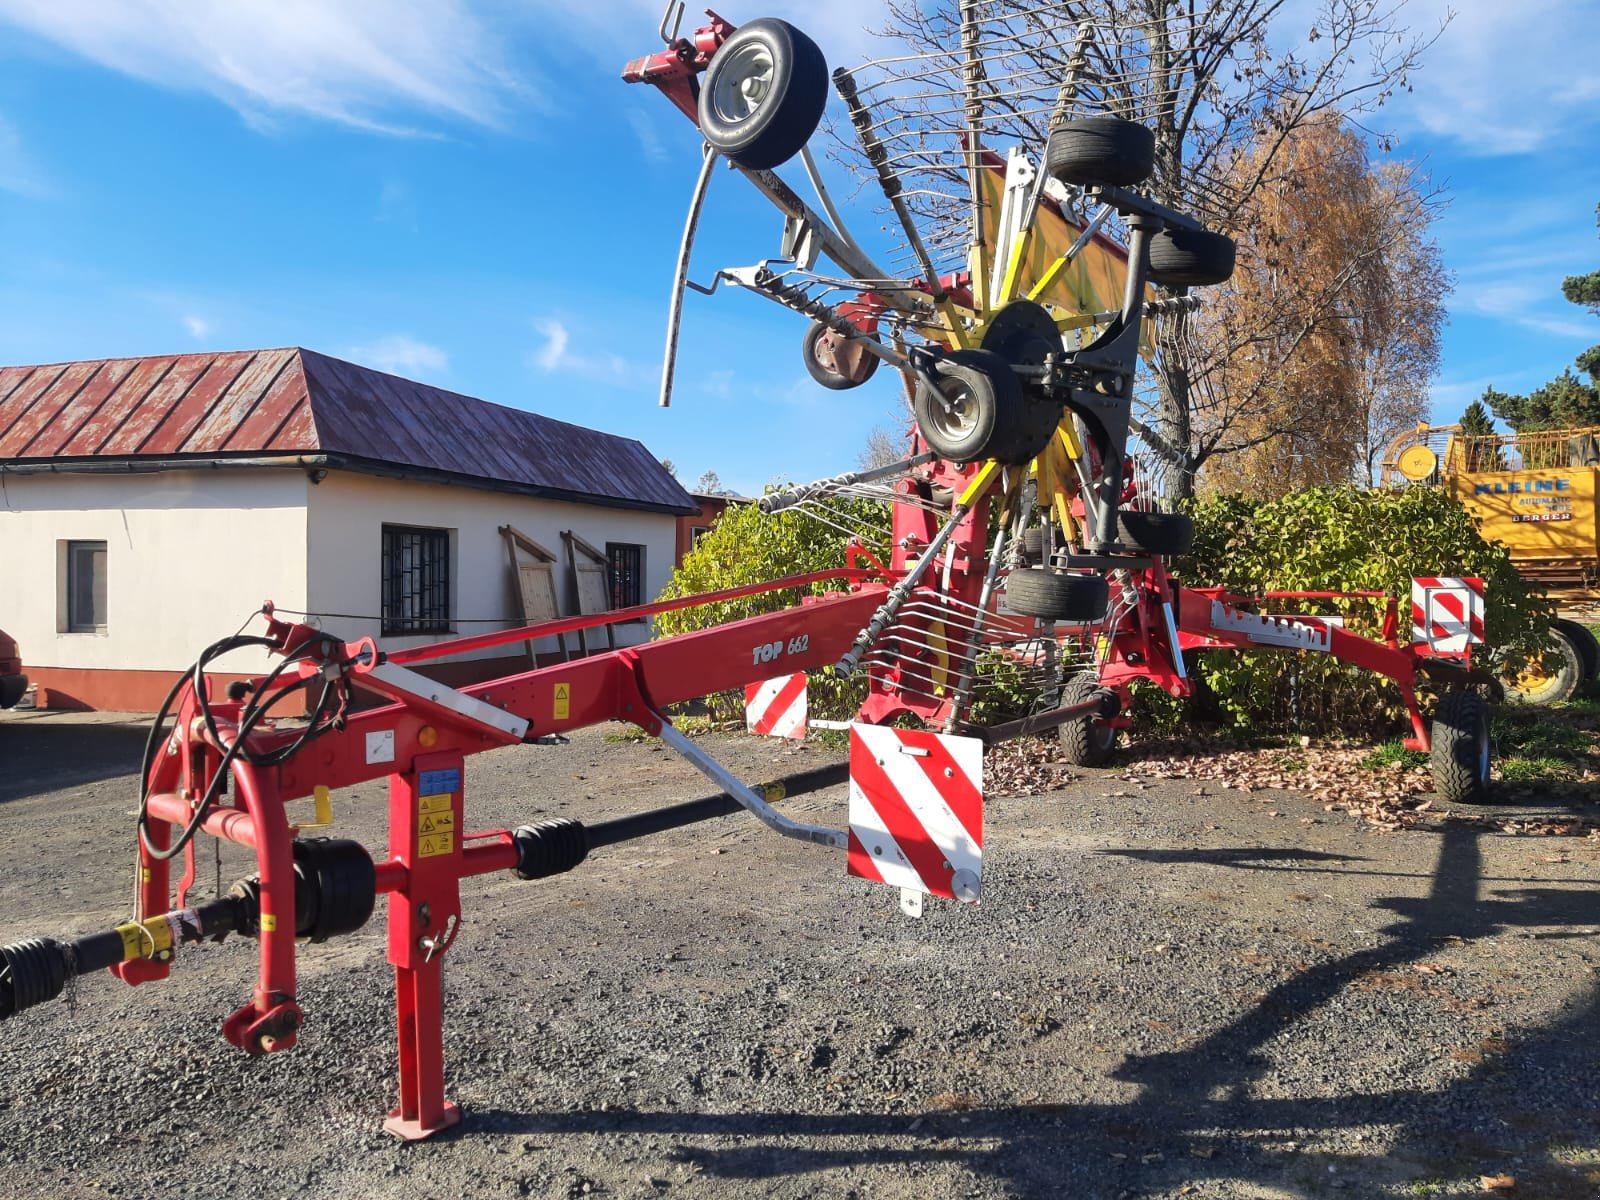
x=282 y=420
x=11 y=378
x=238 y=403
x=135 y=417
x=44 y=407
x=91 y=433
x=81 y=408
x=172 y=435
x=293 y=401
x=403 y=421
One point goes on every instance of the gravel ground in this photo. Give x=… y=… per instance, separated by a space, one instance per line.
x=1166 y=992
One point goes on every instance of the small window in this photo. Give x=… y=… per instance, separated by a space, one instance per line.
x=625 y=569
x=86 y=587
x=697 y=532
x=416 y=580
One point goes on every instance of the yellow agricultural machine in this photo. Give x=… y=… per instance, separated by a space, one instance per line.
x=1534 y=493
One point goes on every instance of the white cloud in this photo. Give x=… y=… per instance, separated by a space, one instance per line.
x=555 y=356
x=1505 y=79
x=401 y=354
x=198 y=327
x=644 y=129
x=359 y=62
x=18 y=172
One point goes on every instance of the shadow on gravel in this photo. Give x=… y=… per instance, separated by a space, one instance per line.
x=42 y=753
x=1244 y=856
x=1199 y=1115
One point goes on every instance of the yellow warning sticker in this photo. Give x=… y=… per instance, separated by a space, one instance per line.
x=442 y=822
x=563 y=701
x=435 y=803
x=269 y=923
x=431 y=845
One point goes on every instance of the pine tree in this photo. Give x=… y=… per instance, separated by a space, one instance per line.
x=1566 y=401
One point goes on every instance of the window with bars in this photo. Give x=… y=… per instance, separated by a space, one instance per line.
x=625 y=570
x=416 y=580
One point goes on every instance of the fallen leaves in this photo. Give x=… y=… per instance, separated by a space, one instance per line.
x=1497 y=1183
x=1390 y=798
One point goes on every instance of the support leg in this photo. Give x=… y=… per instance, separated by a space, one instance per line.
x=424 y=835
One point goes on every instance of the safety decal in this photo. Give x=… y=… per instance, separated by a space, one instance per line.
x=1447 y=612
x=431 y=783
x=777 y=707
x=916 y=810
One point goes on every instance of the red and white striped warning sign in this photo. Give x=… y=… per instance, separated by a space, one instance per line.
x=1447 y=612
x=777 y=707
x=916 y=810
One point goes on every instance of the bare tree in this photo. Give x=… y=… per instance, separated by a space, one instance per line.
x=883 y=448
x=1221 y=83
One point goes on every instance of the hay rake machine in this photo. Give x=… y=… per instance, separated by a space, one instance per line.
x=1019 y=535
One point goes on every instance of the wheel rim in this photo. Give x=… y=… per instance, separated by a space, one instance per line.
x=953 y=415
x=743 y=83
x=1531 y=679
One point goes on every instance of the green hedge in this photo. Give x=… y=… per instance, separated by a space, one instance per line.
x=1342 y=539
x=748 y=546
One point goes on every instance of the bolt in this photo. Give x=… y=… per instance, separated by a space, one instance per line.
x=949 y=773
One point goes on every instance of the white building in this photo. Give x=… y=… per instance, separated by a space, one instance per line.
x=148 y=506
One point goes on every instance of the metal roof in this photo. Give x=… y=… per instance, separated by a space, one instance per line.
x=293 y=404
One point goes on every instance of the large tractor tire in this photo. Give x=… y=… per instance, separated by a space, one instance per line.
x=1555 y=679
x=1587 y=646
x=1461 y=752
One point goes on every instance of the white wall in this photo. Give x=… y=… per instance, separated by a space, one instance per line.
x=347 y=512
x=189 y=554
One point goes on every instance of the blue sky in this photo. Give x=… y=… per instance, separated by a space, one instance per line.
x=467 y=194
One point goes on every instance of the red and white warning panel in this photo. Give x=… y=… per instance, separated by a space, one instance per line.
x=777 y=707
x=1447 y=612
x=916 y=810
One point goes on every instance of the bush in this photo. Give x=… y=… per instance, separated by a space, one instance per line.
x=748 y=546
x=1344 y=539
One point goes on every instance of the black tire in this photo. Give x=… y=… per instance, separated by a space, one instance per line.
x=822 y=350
x=1552 y=681
x=1086 y=741
x=1100 y=150
x=1155 y=532
x=1588 y=647
x=1033 y=543
x=1461 y=751
x=1056 y=595
x=1190 y=257
x=791 y=76
x=975 y=410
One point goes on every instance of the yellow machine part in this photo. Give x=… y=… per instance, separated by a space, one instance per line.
x=1540 y=515
x=1093 y=282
